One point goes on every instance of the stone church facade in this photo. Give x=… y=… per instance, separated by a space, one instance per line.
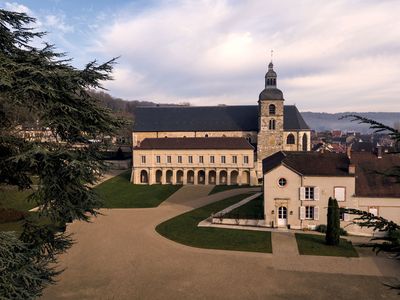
x=215 y=144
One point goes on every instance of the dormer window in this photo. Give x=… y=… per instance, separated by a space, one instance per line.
x=272 y=109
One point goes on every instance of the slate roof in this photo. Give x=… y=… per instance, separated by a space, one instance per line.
x=209 y=118
x=271 y=94
x=310 y=163
x=194 y=143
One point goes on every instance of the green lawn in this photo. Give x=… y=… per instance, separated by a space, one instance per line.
x=118 y=192
x=253 y=209
x=13 y=198
x=16 y=199
x=222 y=188
x=183 y=229
x=11 y=226
x=311 y=244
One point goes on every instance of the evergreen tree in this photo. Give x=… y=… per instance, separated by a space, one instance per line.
x=390 y=243
x=332 y=236
x=44 y=83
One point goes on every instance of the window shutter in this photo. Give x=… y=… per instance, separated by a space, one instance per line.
x=316 y=212
x=316 y=193
x=302 y=193
x=302 y=212
x=346 y=217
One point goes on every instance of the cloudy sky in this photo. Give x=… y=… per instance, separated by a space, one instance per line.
x=330 y=56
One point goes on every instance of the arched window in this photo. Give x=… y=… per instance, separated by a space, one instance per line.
x=305 y=140
x=290 y=139
x=272 y=124
x=272 y=109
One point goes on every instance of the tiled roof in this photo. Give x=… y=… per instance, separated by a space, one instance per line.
x=310 y=163
x=209 y=118
x=195 y=143
x=369 y=168
x=369 y=180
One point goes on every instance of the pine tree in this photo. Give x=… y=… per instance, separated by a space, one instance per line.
x=390 y=243
x=44 y=83
x=332 y=236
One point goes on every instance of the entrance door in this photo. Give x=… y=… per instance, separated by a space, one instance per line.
x=282 y=216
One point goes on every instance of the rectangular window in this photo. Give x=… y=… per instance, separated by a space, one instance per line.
x=234 y=159
x=212 y=159
x=190 y=159
x=158 y=159
x=223 y=159
x=309 y=212
x=169 y=159
x=201 y=159
x=309 y=193
x=143 y=159
x=179 y=159
x=373 y=210
x=245 y=159
x=340 y=193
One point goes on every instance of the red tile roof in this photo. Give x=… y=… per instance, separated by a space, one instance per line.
x=310 y=163
x=369 y=179
x=370 y=182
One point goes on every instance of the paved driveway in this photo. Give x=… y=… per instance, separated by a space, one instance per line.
x=120 y=256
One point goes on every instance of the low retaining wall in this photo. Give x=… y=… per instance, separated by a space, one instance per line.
x=119 y=164
x=239 y=222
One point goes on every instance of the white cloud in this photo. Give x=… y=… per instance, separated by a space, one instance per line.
x=330 y=55
x=57 y=22
x=14 y=6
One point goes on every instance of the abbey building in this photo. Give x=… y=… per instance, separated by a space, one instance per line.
x=215 y=144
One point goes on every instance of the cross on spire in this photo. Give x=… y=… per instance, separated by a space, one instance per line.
x=272 y=54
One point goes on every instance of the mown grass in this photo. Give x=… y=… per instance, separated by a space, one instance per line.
x=118 y=192
x=16 y=199
x=311 y=244
x=183 y=229
x=222 y=188
x=253 y=209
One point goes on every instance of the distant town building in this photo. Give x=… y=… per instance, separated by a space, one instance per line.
x=265 y=128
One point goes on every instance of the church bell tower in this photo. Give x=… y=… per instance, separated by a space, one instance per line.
x=270 y=119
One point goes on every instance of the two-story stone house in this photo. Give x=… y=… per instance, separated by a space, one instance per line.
x=297 y=186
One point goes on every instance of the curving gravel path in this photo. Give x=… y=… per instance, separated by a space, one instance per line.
x=120 y=256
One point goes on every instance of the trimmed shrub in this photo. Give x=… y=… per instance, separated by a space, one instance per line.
x=322 y=228
x=11 y=215
x=332 y=236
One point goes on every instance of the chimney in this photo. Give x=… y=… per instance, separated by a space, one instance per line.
x=379 y=151
x=352 y=169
